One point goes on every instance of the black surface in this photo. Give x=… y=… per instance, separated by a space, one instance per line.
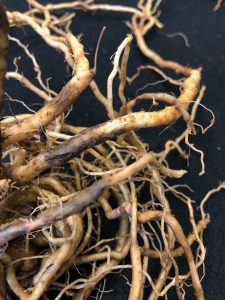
x=205 y=30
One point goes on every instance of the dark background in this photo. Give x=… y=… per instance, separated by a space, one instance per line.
x=205 y=30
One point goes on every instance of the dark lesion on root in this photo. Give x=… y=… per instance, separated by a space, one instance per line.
x=4 y=43
x=58 y=212
x=86 y=139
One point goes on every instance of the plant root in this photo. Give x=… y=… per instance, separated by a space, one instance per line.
x=60 y=183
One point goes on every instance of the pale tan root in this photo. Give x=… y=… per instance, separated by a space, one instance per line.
x=105 y=131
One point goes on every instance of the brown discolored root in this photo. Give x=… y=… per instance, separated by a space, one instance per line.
x=4 y=27
x=98 y=134
x=60 y=183
x=55 y=107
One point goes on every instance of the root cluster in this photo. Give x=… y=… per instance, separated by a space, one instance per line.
x=52 y=243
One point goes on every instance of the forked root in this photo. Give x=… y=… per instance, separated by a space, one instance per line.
x=59 y=183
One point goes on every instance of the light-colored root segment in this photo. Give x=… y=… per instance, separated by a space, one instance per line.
x=55 y=261
x=60 y=211
x=139 y=33
x=202 y=224
x=180 y=237
x=136 y=286
x=98 y=134
x=85 y=198
x=54 y=108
